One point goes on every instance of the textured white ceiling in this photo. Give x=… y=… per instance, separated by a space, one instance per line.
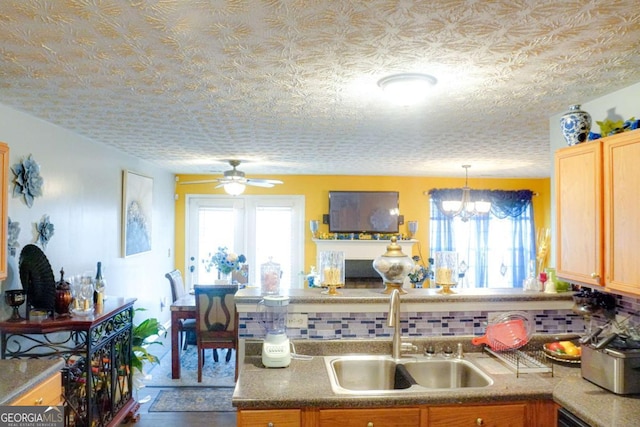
x=289 y=87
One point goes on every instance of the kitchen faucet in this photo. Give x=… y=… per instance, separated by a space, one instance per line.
x=393 y=320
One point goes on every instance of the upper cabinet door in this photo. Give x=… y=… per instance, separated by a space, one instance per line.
x=621 y=208
x=4 y=188
x=578 y=186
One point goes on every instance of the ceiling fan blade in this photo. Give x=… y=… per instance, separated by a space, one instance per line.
x=266 y=183
x=203 y=181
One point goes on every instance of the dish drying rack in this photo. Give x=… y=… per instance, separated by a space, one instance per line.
x=523 y=361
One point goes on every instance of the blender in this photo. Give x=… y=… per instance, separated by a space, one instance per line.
x=276 y=352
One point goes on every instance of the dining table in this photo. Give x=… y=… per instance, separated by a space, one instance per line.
x=182 y=308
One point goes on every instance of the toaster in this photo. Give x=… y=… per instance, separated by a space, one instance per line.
x=614 y=369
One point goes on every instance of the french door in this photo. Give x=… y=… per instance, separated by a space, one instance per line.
x=263 y=228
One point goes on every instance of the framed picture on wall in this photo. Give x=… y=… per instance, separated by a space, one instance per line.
x=137 y=209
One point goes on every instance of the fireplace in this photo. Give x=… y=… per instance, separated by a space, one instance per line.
x=359 y=273
x=359 y=256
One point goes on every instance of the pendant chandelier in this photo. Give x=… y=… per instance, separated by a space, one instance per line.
x=465 y=208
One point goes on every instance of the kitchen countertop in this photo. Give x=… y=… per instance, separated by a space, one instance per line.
x=305 y=383
x=18 y=376
x=595 y=405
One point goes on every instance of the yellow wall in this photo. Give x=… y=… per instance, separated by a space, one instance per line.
x=414 y=205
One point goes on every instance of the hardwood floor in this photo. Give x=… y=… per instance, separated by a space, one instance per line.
x=178 y=419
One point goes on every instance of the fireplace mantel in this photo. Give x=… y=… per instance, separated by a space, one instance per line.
x=361 y=249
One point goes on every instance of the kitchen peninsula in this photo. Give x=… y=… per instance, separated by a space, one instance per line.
x=361 y=313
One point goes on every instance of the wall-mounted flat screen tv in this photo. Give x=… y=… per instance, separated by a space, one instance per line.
x=363 y=211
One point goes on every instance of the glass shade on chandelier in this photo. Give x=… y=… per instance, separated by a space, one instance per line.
x=234 y=188
x=465 y=208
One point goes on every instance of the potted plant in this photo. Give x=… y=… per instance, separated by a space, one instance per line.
x=141 y=333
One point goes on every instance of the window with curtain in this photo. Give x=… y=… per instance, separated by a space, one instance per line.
x=495 y=249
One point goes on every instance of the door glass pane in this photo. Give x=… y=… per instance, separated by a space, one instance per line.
x=214 y=232
x=273 y=240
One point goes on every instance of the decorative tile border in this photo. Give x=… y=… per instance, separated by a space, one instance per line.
x=423 y=324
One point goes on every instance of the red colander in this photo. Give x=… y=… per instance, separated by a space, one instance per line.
x=507 y=332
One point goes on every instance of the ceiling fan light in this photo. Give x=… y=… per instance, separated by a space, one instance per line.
x=408 y=88
x=234 y=188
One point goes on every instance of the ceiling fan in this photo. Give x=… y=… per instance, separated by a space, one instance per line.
x=234 y=180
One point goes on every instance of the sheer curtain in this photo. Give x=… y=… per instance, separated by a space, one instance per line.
x=495 y=248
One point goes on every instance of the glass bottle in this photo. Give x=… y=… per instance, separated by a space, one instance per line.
x=99 y=286
x=530 y=284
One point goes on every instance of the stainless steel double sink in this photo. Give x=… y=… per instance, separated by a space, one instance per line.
x=378 y=374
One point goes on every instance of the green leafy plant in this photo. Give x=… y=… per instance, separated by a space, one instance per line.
x=140 y=341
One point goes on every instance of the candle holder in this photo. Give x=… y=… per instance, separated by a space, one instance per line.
x=331 y=271
x=446 y=273
x=15 y=298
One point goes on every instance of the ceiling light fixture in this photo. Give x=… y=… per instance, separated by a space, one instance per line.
x=234 y=188
x=465 y=208
x=407 y=88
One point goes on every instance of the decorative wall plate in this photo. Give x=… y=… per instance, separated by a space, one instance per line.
x=37 y=279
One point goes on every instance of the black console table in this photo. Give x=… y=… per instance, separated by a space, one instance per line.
x=97 y=351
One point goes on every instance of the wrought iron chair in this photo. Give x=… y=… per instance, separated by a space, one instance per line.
x=187 y=326
x=216 y=321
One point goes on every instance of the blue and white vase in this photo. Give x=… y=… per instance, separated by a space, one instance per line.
x=575 y=125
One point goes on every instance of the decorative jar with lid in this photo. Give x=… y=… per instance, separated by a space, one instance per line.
x=393 y=266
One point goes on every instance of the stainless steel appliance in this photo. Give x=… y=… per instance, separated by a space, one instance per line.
x=615 y=367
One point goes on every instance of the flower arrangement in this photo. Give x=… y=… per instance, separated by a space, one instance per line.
x=224 y=261
x=419 y=272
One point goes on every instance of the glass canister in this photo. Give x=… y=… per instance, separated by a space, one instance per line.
x=270 y=277
x=446 y=265
x=332 y=268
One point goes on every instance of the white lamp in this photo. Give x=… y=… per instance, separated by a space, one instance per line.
x=407 y=88
x=234 y=188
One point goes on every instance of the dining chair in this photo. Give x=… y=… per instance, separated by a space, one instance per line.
x=187 y=326
x=216 y=321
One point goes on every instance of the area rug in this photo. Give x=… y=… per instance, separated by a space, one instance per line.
x=216 y=374
x=197 y=399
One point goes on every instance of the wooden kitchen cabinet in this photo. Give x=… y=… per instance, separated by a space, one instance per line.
x=578 y=187
x=395 y=417
x=4 y=186
x=596 y=205
x=621 y=206
x=269 y=418
x=540 y=413
x=47 y=393
x=511 y=415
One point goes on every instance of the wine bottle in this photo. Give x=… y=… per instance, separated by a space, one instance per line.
x=100 y=285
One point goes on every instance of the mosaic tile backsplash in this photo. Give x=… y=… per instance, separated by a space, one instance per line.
x=424 y=324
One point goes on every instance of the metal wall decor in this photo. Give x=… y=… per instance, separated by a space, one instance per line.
x=27 y=181
x=45 y=231
x=13 y=231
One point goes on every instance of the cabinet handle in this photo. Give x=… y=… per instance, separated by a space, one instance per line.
x=270 y=424
x=479 y=422
x=595 y=276
x=370 y=424
x=38 y=401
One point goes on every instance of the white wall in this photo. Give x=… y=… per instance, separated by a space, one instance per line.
x=82 y=195
x=622 y=104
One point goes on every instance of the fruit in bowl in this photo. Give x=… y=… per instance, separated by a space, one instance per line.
x=563 y=349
